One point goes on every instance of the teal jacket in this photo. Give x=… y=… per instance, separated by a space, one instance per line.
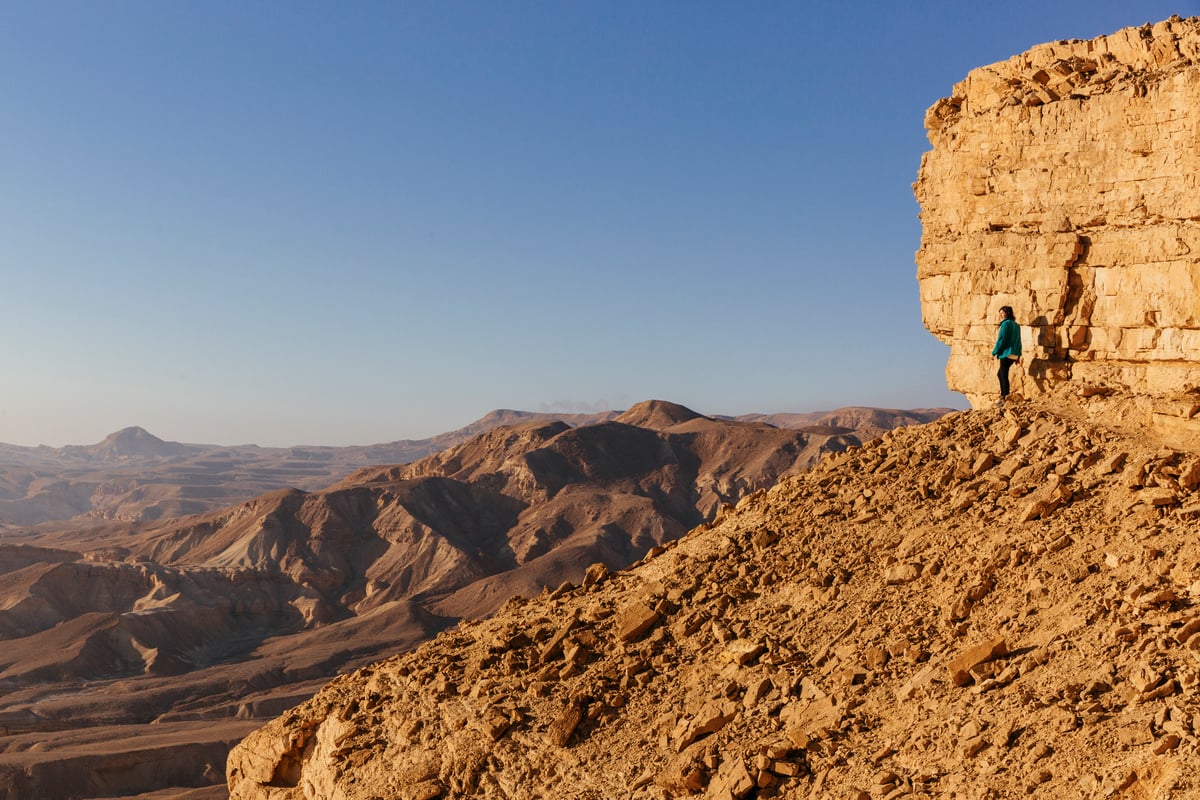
x=1008 y=342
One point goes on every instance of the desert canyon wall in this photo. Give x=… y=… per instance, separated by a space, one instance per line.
x=1064 y=182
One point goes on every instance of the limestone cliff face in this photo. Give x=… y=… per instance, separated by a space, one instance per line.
x=1064 y=182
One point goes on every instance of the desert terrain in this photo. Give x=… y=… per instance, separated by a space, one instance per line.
x=998 y=604
x=134 y=476
x=136 y=654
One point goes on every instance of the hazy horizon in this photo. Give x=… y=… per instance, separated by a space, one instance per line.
x=343 y=225
x=220 y=443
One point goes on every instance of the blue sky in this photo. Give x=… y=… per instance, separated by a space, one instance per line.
x=346 y=223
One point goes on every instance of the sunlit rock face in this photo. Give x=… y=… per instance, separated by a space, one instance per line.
x=1064 y=182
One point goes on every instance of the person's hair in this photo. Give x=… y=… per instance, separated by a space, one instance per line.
x=1007 y=312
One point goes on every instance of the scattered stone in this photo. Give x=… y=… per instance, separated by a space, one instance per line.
x=757 y=691
x=1166 y=744
x=960 y=668
x=425 y=790
x=1134 y=734
x=685 y=773
x=971 y=747
x=732 y=780
x=1144 y=678
x=899 y=574
x=1113 y=463
x=1158 y=497
x=562 y=728
x=807 y=721
x=635 y=621
x=553 y=647
x=496 y=723
x=709 y=719
x=742 y=651
x=595 y=574
x=1041 y=750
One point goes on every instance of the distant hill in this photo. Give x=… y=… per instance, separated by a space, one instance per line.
x=134 y=476
x=128 y=443
x=863 y=421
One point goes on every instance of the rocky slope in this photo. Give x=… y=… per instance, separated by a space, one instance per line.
x=1062 y=182
x=992 y=605
x=208 y=625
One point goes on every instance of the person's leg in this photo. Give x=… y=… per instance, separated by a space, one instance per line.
x=1002 y=374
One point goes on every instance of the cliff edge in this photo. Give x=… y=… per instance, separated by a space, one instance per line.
x=1063 y=182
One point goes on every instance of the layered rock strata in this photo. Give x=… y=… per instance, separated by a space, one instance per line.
x=1063 y=182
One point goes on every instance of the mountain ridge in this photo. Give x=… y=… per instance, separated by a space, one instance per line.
x=134 y=476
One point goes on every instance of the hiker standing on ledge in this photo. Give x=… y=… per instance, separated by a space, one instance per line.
x=1007 y=349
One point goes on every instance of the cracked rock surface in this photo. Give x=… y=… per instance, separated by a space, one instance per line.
x=1063 y=182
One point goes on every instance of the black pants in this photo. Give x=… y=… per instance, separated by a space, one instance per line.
x=1002 y=374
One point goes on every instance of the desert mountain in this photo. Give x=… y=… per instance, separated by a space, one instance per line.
x=127 y=646
x=133 y=476
x=128 y=443
x=992 y=605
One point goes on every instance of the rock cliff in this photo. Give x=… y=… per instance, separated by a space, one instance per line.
x=1063 y=182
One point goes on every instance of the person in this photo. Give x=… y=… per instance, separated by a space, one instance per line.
x=1007 y=349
